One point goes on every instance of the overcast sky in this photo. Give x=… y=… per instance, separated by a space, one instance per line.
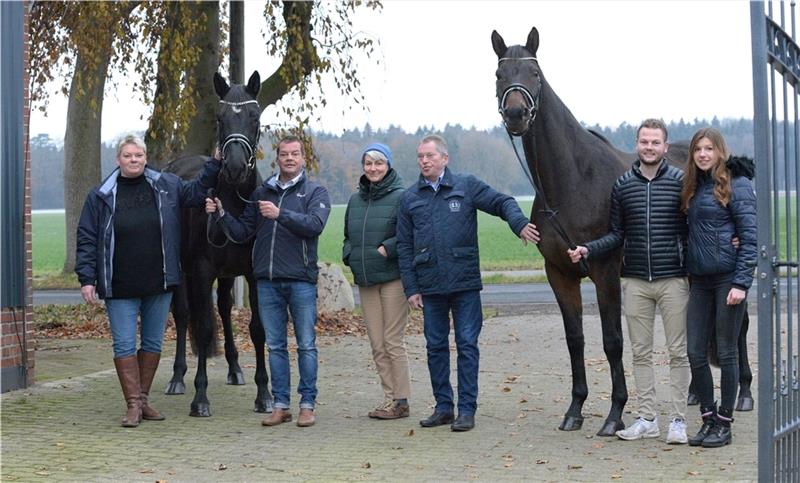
x=610 y=62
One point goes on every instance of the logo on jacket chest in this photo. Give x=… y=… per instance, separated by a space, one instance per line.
x=455 y=206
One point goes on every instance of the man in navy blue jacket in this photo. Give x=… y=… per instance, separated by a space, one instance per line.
x=437 y=244
x=287 y=214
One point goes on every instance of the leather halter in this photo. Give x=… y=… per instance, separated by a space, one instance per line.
x=531 y=101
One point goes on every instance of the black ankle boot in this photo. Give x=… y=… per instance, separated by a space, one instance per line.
x=709 y=415
x=720 y=435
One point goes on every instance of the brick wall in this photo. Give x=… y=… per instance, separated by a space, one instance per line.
x=16 y=322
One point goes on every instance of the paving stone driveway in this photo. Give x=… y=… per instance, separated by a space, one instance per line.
x=69 y=430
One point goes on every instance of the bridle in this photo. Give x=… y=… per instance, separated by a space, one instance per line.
x=250 y=148
x=531 y=101
x=533 y=176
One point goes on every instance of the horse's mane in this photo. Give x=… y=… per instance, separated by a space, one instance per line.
x=600 y=137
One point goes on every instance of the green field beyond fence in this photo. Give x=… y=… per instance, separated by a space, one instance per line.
x=500 y=249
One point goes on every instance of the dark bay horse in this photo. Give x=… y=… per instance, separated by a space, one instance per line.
x=574 y=170
x=207 y=254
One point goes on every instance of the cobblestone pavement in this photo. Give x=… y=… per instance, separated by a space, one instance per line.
x=68 y=430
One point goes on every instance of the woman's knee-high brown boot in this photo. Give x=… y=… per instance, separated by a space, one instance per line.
x=148 y=364
x=128 y=373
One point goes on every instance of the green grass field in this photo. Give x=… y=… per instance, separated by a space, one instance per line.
x=500 y=248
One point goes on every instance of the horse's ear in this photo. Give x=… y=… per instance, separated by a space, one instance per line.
x=533 y=41
x=254 y=84
x=221 y=85
x=498 y=44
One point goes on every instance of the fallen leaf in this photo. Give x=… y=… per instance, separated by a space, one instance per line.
x=692 y=473
x=147 y=471
x=410 y=432
x=541 y=462
x=574 y=467
x=221 y=467
x=616 y=476
x=366 y=465
x=506 y=389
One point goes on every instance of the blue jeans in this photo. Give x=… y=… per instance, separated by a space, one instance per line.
x=274 y=297
x=467 y=323
x=122 y=315
x=709 y=310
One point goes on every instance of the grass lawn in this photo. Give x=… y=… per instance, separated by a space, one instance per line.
x=500 y=249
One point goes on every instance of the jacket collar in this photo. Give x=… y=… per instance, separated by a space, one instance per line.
x=109 y=185
x=447 y=179
x=662 y=168
x=272 y=182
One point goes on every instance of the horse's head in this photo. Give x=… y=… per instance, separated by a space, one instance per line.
x=238 y=127
x=519 y=82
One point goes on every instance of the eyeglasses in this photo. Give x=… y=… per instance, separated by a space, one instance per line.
x=287 y=154
x=421 y=156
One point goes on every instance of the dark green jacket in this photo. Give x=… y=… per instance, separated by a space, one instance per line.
x=369 y=222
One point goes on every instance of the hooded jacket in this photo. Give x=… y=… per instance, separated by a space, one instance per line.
x=712 y=226
x=285 y=248
x=94 y=257
x=369 y=222
x=437 y=232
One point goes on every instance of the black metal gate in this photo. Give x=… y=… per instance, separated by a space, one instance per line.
x=776 y=89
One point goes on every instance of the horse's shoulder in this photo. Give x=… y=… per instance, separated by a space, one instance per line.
x=186 y=167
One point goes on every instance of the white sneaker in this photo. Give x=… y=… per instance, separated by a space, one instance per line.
x=641 y=428
x=677 y=432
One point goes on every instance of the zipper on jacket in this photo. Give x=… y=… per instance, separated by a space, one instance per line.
x=274 y=233
x=109 y=267
x=364 y=240
x=647 y=226
x=161 y=226
x=305 y=253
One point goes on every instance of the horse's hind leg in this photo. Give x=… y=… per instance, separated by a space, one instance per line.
x=263 y=403
x=180 y=312
x=224 y=307
x=609 y=300
x=568 y=294
x=745 y=400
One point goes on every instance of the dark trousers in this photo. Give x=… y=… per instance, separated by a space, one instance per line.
x=709 y=310
x=467 y=323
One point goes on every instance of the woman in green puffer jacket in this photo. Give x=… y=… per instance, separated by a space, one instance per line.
x=370 y=250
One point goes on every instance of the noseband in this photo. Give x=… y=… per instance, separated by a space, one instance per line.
x=531 y=102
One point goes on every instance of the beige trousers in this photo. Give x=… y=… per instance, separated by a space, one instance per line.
x=641 y=297
x=386 y=315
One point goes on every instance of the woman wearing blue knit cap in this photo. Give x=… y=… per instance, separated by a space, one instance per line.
x=370 y=250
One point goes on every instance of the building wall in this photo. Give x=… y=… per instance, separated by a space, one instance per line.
x=18 y=364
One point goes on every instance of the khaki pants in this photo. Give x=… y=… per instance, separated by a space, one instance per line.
x=671 y=295
x=386 y=315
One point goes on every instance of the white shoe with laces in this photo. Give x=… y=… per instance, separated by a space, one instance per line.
x=677 y=432
x=641 y=428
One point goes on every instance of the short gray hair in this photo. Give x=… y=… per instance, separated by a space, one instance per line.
x=131 y=139
x=441 y=144
x=376 y=155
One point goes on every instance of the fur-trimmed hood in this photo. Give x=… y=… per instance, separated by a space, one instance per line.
x=741 y=166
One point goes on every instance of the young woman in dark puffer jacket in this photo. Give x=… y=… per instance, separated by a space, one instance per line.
x=720 y=204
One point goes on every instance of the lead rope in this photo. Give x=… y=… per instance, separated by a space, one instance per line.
x=550 y=214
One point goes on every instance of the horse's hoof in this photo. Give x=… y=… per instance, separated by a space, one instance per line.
x=236 y=379
x=201 y=410
x=745 y=403
x=571 y=423
x=692 y=400
x=610 y=428
x=264 y=405
x=175 y=388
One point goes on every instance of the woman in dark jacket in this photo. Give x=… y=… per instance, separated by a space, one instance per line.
x=370 y=250
x=128 y=247
x=720 y=204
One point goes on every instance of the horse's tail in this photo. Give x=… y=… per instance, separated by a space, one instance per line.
x=203 y=333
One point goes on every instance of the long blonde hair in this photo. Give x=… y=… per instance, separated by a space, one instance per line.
x=720 y=173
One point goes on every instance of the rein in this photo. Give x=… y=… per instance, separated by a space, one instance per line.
x=533 y=175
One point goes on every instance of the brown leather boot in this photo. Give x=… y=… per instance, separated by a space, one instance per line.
x=148 y=363
x=128 y=373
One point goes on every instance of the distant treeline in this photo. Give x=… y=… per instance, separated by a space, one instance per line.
x=487 y=154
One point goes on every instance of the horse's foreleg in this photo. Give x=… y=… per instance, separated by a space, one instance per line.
x=224 y=307
x=744 y=402
x=609 y=301
x=204 y=335
x=180 y=312
x=568 y=294
x=263 y=403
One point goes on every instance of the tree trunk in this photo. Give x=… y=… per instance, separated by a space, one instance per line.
x=82 y=142
x=237 y=41
x=201 y=136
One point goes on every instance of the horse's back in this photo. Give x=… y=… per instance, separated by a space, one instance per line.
x=186 y=167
